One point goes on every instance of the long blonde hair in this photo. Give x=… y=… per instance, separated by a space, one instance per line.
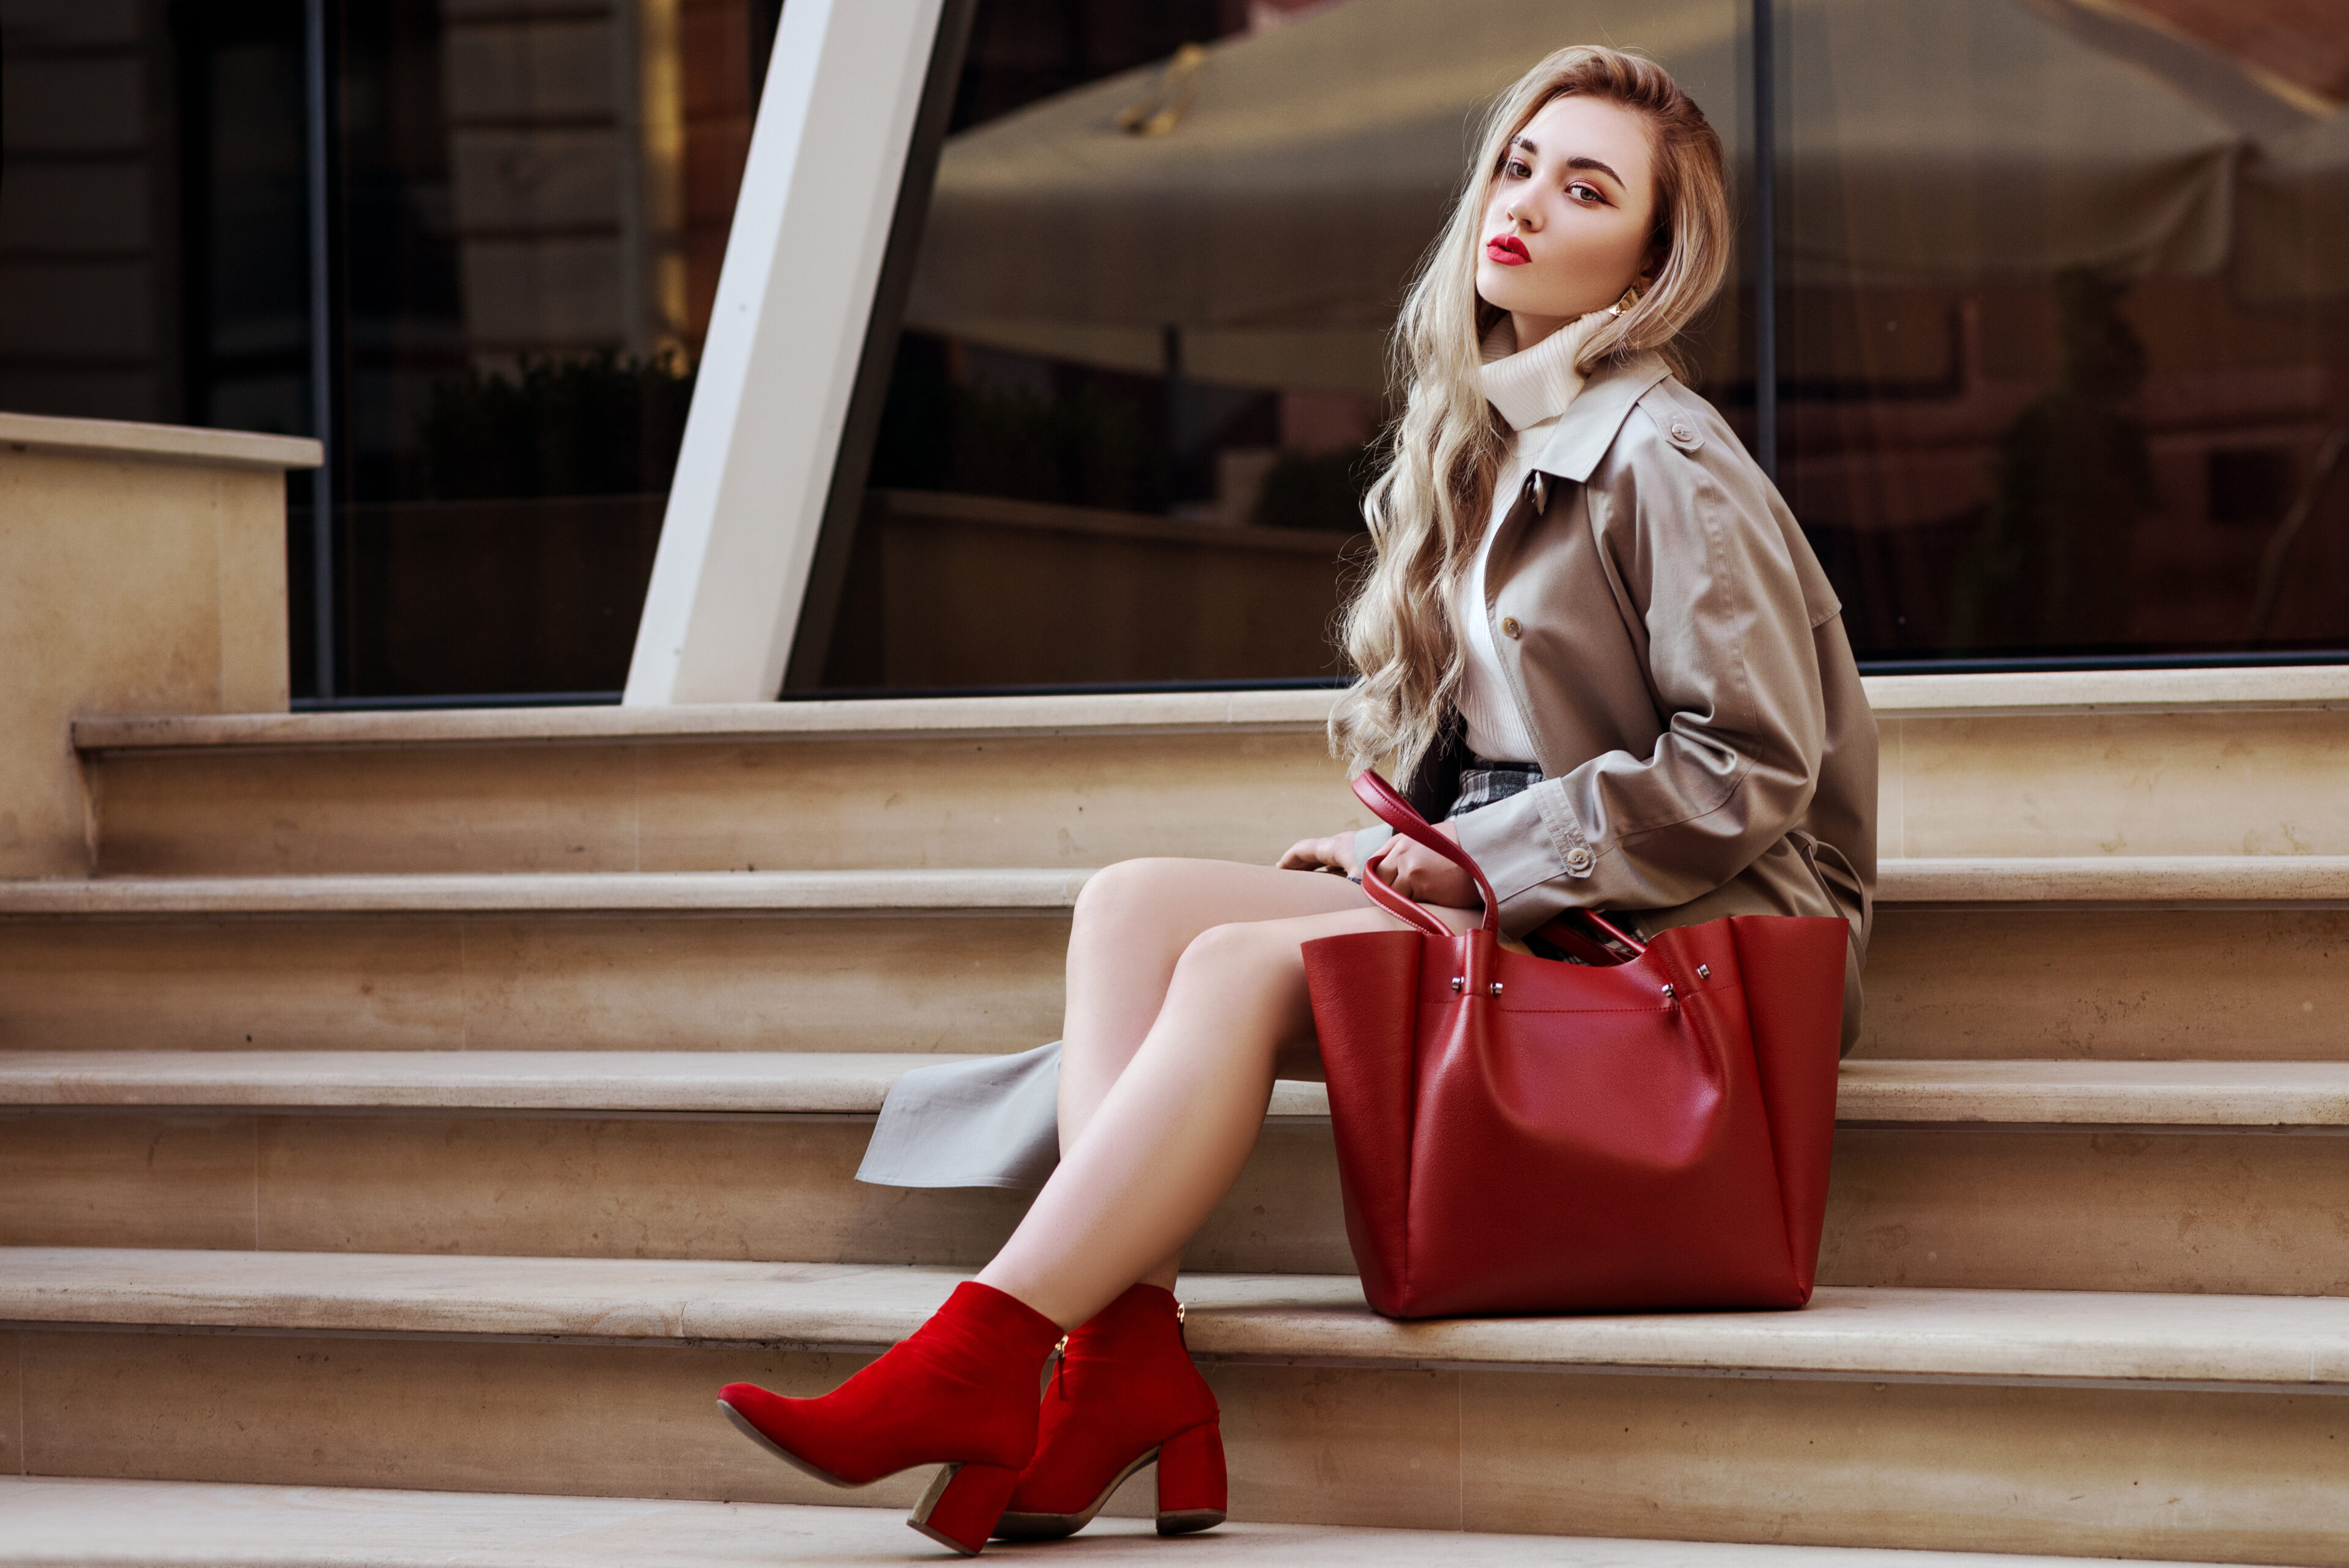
x=1427 y=507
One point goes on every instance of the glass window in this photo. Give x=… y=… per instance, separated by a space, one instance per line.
x=528 y=206
x=90 y=261
x=2060 y=329
x=1143 y=352
x=2064 y=342
x=534 y=200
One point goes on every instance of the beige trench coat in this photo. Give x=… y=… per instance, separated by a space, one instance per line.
x=1681 y=663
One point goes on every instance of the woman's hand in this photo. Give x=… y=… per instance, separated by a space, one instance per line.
x=1418 y=872
x=1335 y=853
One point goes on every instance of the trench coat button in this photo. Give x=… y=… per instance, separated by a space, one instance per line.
x=1578 y=859
x=1510 y=629
x=1683 y=431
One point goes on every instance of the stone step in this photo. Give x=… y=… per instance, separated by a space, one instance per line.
x=2106 y=957
x=2184 y=1426
x=2179 y=881
x=75 y=1522
x=868 y=960
x=2036 y=1175
x=2268 y=1096
x=2216 y=762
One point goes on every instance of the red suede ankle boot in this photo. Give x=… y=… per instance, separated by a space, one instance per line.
x=1125 y=1393
x=960 y=1392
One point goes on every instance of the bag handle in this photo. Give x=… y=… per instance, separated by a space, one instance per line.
x=1404 y=818
x=1400 y=814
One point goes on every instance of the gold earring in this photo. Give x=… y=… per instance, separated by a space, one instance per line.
x=1631 y=297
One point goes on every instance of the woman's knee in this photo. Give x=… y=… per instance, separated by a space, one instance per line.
x=1243 y=953
x=1120 y=894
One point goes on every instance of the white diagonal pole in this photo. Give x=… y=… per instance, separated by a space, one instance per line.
x=812 y=224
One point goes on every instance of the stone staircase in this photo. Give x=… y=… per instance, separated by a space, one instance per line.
x=450 y=1102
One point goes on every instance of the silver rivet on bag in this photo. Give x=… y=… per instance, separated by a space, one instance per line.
x=1704 y=971
x=1668 y=990
x=1458 y=982
x=1495 y=989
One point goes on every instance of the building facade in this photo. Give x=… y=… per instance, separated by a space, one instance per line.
x=2042 y=320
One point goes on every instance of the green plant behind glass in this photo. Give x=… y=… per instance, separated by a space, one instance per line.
x=601 y=424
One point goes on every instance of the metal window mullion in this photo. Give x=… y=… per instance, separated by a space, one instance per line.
x=318 y=131
x=795 y=300
x=1766 y=238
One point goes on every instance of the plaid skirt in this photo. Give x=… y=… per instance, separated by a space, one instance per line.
x=1483 y=783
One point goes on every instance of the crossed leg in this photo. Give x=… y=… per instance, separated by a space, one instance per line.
x=1187 y=998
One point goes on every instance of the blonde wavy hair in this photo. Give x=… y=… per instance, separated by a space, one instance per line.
x=1427 y=508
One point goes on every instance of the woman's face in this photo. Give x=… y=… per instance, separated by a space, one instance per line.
x=1567 y=224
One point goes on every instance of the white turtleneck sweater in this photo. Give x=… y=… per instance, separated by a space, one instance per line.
x=1530 y=390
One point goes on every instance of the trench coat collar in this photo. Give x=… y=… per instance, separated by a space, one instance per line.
x=1583 y=434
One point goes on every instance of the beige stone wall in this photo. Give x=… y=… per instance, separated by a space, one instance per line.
x=142 y=569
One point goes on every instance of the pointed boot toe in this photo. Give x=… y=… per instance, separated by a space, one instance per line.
x=960 y=1392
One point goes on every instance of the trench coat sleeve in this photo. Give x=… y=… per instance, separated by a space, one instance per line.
x=1705 y=579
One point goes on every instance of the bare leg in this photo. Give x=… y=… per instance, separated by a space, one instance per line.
x=1169 y=1138
x=1132 y=922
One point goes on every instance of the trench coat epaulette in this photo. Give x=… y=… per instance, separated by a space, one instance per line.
x=1675 y=420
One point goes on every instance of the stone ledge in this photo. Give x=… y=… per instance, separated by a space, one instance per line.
x=924 y=718
x=2145 y=881
x=172 y=443
x=977 y=890
x=2307 y=1096
x=794 y=1083
x=2018 y=882
x=73 y=1522
x=2070 y=1339
x=2310 y=1096
x=2313 y=687
x=2321 y=687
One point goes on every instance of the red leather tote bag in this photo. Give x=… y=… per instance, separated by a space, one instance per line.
x=1523 y=1135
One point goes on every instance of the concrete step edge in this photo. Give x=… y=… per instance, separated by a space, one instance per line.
x=2213 y=881
x=2027 y=1337
x=2322 y=687
x=2263 y=1095
x=1266 y=712
x=89 y=1522
x=978 y=889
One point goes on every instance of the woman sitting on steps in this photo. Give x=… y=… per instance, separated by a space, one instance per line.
x=1593 y=632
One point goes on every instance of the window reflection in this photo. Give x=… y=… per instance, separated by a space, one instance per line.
x=1144 y=348
x=528 y=211
x=2063 y=323
x=523 y=299
x=2064 y=345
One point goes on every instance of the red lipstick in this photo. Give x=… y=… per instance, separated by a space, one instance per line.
x=1508 y=250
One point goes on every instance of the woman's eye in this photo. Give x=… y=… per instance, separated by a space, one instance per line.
x=1516 y=169
x=1589 y=196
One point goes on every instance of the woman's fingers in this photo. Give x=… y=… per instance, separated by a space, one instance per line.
x=1315 y=855
x=1403 y=868
x=1418 y=872
x=1305 y=854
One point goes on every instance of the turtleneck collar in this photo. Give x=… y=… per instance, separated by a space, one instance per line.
x=1539 y=383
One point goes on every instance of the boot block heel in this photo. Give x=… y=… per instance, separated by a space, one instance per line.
x=962 y=1505
x=1191 y=1489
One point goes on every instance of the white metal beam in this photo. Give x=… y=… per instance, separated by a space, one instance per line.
x=827 y=155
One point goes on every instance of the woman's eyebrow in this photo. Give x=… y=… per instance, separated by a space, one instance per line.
x=1591 y=163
